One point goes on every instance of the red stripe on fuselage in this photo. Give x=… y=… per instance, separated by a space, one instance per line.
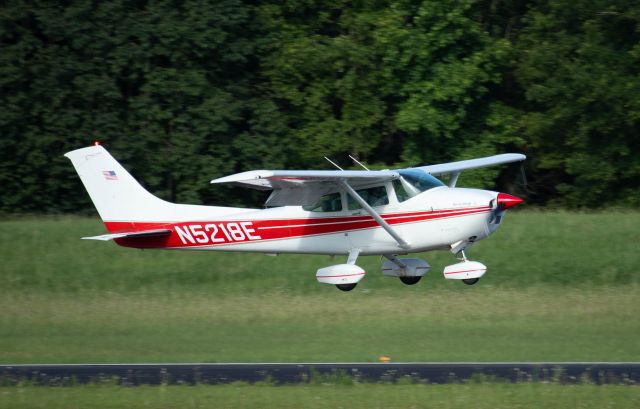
x=221 y=232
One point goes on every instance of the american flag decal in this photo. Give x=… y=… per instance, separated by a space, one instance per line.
x=110 y=175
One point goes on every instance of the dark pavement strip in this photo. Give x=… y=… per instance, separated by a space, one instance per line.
x=283 y=373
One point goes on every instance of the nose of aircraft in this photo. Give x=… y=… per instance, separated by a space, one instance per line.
x=506 y=201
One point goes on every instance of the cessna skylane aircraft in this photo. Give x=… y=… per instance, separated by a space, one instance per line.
x=333 y=212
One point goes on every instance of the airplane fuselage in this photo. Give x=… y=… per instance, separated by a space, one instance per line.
x=432 y=220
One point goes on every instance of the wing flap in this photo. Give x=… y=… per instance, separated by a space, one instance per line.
x=283 y=179
x=137 y=234
x=303 y=187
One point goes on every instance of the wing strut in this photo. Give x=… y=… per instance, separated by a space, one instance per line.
x=401 y=242
x=394 y=260
x=454 y=179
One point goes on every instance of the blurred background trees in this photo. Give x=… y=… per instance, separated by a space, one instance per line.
x=185 y=91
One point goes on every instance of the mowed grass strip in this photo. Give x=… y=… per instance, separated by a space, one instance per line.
x=482 y=395
x=472 y=324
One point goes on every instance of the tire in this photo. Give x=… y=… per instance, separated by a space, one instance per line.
x=470 y=281
x=346 y=287
x=410 y=280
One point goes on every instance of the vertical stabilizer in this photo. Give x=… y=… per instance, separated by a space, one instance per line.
x=119 y=197
x=115 y=193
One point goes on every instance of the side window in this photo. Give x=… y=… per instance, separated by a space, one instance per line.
x=374 y=196
x=401 y=192
x=327 y=203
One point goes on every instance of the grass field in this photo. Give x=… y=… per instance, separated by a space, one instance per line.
x=560 y=287
x=479 y=396
x=530 y=249
x=473 y=324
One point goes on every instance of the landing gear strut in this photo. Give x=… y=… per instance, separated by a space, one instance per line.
x=468 y=281
x=408 y=270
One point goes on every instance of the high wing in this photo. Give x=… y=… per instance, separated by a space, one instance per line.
x=303 y=187
x=455 y=168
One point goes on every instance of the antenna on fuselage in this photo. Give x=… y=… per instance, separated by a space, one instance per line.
x=356 y=161
x=333 y=163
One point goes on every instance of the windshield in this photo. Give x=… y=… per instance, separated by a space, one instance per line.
x=413 y=182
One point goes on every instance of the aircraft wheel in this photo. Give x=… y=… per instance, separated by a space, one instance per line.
x=410 y=280
x=470 y=281
x=346 y=287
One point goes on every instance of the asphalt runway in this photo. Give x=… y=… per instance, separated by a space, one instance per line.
x=285 y=373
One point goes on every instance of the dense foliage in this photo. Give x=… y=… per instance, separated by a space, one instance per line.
x=185 y=91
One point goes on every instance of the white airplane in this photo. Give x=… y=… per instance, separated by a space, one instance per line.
x=332 y=212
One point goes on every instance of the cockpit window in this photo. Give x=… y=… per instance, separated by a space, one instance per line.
x=413 y=182
x=327 y=203
x=374 y=196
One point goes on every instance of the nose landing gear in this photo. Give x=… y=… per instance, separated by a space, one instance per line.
x=467 y=271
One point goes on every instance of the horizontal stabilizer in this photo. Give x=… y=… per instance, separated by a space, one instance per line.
x=137 y=234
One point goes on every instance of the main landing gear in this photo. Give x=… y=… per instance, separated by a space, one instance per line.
x=344 y=276
x=410 y=280
x=409 y=270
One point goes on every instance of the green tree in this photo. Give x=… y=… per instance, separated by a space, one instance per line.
x=322 y=70
x=402 y=83
x=172 y=86
x=185 y=91
x=579 y=68
x=440 y=67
